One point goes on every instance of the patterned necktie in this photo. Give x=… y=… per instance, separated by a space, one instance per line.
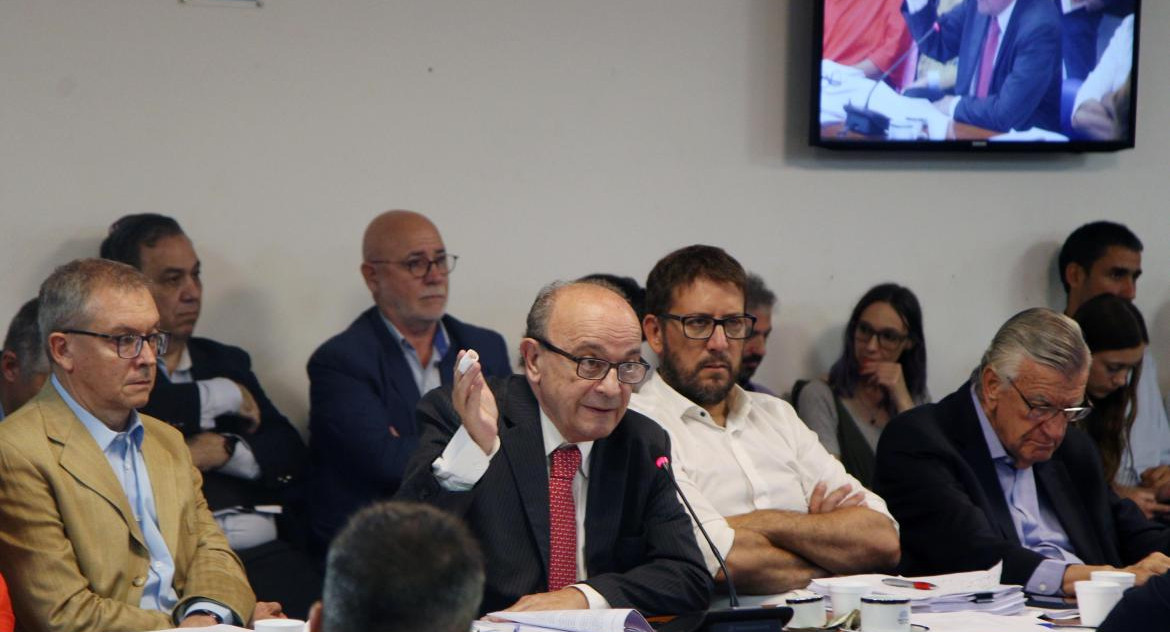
x=562 y=518
x=987 y=63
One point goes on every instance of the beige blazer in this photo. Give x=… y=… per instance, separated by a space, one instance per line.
x=72 y=553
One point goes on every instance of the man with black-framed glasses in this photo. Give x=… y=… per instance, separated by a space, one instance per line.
x=779 y=507
x=105 y=526
x=364 y=382
x=556 y=478
x=997 y=471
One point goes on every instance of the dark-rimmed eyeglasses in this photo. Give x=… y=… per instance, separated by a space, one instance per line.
x=419 y=267
x=888 y=339
x=700 y=327
x=589 y=368
x=130 y=345
x=1046 y=413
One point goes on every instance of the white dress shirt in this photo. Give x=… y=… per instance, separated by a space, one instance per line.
x=463 y=463
x=763 y=458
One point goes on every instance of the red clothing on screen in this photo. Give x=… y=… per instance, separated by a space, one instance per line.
x=856 y=30
x=7 y=621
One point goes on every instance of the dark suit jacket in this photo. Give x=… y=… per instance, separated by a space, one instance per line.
x=361 y=387
x=1025 y=84
x=640 y=549
x=935 y=472
x=278 y=447
x=1142 y=608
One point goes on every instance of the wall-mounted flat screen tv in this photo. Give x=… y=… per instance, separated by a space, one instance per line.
x=984 y=75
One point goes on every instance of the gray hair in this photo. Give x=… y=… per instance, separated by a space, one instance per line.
x=541 y=310
x=756 y=294
x=66 y=294
x=1046 y=337
x=402 y=567
x=24 y=340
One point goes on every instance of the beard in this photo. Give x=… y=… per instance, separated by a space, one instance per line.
x=747 y=367
x=687 y=382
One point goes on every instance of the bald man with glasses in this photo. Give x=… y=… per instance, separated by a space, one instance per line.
x=365 y=382
x=997 y=471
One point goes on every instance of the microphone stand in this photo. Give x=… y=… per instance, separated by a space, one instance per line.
x=736 y=618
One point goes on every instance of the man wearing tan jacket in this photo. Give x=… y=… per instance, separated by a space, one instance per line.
x=102 y=523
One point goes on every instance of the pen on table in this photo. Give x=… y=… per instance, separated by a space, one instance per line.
x=908 y=583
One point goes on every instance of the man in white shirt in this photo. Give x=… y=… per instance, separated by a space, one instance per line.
x=779 y=507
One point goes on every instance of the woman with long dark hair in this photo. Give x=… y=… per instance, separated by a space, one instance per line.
x=1117 y=337
x=881 y=372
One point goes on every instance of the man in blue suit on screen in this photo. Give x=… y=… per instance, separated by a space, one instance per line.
x=364 y=382
x=1009 y=60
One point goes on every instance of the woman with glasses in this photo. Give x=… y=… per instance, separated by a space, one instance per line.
x=881 y=372
x=1116 y=334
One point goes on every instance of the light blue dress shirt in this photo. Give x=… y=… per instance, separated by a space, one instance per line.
x=426 y=378
x=1036 y=524
x=123 y=450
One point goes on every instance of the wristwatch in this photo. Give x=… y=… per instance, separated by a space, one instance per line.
x=204 y=613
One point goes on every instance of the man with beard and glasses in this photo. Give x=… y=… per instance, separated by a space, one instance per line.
x=760 y=303
x=780 y=509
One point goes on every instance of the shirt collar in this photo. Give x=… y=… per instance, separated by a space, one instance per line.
x=553 y=440
x=98 y=430
x=677 y=406
x=994 y=445
x=1005 y=16
x=183 y=366
x=440 y=343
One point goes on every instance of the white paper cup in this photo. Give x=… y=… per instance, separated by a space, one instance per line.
x=885 y=613
x=1095 y=600
x=846 y=596
x=808 y=609
x=279 y=625
x=1125 y=579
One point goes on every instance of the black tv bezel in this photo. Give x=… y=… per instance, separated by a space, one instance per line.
x=963 y=146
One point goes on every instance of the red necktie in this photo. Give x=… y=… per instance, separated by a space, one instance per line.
x=562 y=518
x=987 y=63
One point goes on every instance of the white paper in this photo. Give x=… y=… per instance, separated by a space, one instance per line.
x=953 y=592
x=977 y=622
x=614 y=620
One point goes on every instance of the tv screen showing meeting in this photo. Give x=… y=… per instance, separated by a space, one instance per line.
x=984 y=75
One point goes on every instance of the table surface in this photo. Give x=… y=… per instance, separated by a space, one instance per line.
x=955 y=131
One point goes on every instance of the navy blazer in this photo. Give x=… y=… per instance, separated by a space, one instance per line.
x=277 y=446
x=640 y=549
x=935 y=472
x=362 y=396
x=1025 y=84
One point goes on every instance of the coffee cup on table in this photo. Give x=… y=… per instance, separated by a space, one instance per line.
x=1095 y=599
x=846 y=596
x=1125 y=579
x=279 y=625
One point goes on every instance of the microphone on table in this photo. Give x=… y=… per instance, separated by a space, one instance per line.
x=869 y=122
x=735 y=618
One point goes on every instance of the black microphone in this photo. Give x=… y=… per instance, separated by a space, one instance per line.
x=866 y=121
x=735 y=618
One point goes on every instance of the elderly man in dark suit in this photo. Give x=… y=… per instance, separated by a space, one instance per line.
x=1009 y=60
x=555 y=477
x=365 y=382
x=994 y=472
x=250 y=455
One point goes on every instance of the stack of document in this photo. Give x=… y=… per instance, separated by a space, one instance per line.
x=975 y=591
x=616 y=620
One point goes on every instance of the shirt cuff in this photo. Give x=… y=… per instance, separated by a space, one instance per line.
x=242 y=463
x=1048 y=578
x=462 y=462
x=916 y=5
x=722 y=535
x=211 y=606
x=217 y=396
x=596 y=601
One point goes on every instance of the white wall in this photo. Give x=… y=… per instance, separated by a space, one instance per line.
x=547 y=139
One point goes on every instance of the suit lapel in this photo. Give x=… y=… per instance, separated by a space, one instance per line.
x=523 y=444
x=1053 y=483
x=81 y=457
x=973 y=448
x=395 y=370
x=162 y=472
x=608 y=477
x=454 y=344
x=973 y=51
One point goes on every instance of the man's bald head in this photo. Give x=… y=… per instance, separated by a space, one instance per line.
x=394 y=243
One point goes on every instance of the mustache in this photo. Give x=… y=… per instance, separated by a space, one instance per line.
x=716 y=356
x=754 y=357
